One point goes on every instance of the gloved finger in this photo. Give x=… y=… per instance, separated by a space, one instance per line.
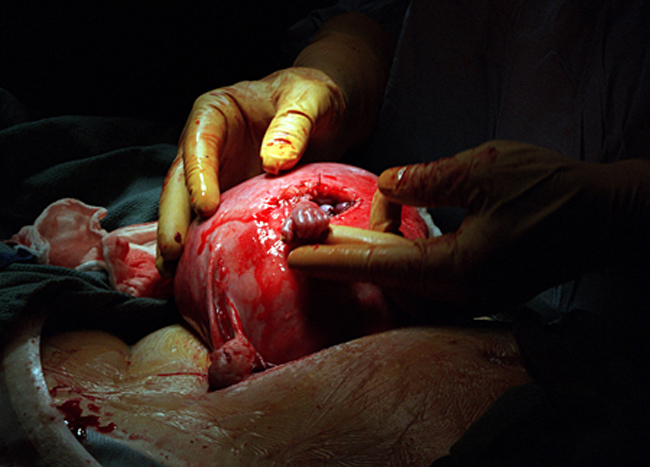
x=457 y=181
x=422 y=266
x=285 y=141
x=174 y=212
x=344 y=234
x=166 y=268
x=306 y=108
x=385 y=215
x=213 y=119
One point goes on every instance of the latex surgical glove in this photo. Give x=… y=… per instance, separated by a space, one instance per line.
x=535 y=218
x=234 y=133
x=315 y=110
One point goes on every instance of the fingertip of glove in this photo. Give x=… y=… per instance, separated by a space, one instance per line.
x=169 y=247
x=166 y=268
x=205 y=204
x=390 y=179
x=275 y=164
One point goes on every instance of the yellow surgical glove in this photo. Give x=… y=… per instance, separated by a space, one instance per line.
x=323 y=105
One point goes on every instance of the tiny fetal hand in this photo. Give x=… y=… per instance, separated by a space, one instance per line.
x=307 y=222
x=517 y=239
x=235 y=133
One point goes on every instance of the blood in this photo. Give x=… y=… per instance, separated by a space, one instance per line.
x=78 y=423
x=107 y=428
x=279 y=141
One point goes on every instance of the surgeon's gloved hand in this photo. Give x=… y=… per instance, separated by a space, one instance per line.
x=323 y=105
x=234 y=133
x=535 y=218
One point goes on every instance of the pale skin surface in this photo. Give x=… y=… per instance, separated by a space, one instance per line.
x=352 y=404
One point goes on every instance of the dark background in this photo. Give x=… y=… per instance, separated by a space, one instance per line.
x=138 y=59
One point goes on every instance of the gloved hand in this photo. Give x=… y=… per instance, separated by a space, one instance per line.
x=233 y=133
x=535 y=218
x=329 y=99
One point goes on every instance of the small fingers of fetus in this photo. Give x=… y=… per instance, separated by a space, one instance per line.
x=307 y=222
